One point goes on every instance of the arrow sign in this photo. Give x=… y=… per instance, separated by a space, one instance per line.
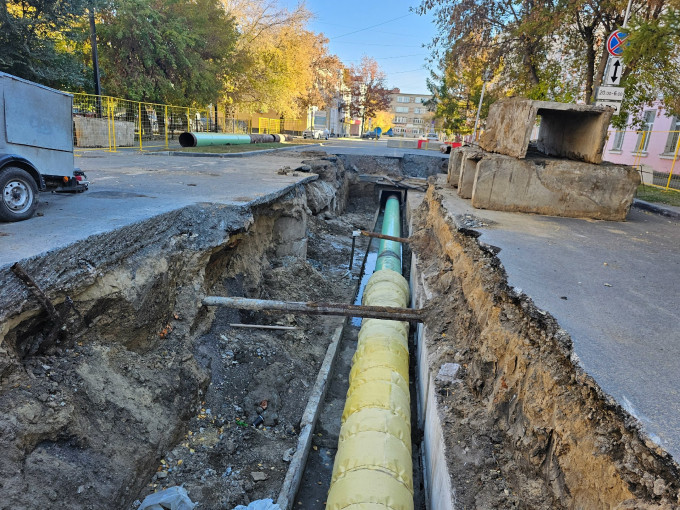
x=614 y=71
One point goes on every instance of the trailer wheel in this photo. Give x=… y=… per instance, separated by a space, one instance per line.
x=19 y=194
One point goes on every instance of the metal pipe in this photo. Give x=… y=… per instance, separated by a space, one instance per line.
x=383 y=236
x=190 y=139
x=372 y=467
x=389 y=252
x=310 y=308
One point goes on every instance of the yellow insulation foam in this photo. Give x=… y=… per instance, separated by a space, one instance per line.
x=358 y=378
x=374 y=450
x=383 y=281
x=378 y=420
x=371 y=326
x=380 y=394
x=372 y=469
x=365 y=488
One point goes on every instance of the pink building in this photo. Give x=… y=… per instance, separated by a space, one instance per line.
x=652 y=148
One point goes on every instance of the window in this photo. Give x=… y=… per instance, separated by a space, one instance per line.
x=402 y=99
x=672 y=142
x=417 y=121
x=416 y=131
x=400 y=120
x=419 y=110
x=421 y=100
x=645 y=134
x=401 y=109
x=618 y=140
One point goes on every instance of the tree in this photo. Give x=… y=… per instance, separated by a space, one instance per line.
x=39 y=39
x=369 y=94
x=383 y=120
x=542 y=49
x=281 y=65
x=166 y=51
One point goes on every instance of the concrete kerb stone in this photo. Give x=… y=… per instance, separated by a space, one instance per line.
x=554 y=187
x=453 y=172
x=570 y=131
x=656 y=209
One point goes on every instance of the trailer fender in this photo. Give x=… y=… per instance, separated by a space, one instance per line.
x=23 y=163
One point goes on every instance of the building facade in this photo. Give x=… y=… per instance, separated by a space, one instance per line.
x=411 y=116
x=653 y=147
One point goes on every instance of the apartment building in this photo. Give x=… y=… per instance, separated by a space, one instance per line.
x=411 y=117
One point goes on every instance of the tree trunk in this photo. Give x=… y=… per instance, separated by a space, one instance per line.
x=603 y=64
x=589 y=39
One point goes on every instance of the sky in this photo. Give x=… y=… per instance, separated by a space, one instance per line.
x=383 y=29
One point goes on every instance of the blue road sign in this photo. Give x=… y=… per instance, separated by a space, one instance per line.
x=616 y=42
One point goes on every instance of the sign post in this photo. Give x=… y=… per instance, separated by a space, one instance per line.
x=609 y=94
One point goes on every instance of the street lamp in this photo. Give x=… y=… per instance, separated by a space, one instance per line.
x=486 y=76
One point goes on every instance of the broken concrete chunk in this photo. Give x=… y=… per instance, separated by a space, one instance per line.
x=554 y=187
x=566 y=130
x=448 y=372
x=259 y=476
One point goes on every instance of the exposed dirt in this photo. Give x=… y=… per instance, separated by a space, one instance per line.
x=524 y=426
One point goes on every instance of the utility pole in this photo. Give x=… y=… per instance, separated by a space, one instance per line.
x=95 y=62
x=625 y=18
x=486 y=76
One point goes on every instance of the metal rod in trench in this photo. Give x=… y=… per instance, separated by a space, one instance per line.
x=310 y=308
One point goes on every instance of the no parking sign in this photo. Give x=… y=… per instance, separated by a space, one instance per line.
x=616 y=42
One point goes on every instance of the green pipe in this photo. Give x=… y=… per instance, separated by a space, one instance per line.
x=389 y=252
x=206 y=139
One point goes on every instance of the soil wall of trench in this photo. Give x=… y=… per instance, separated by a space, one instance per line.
x=521 y=424
x=87 y=414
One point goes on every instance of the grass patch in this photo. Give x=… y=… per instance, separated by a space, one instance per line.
x=229 y=149
x=658 y=195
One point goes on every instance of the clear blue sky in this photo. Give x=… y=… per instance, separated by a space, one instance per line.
x=396 y=44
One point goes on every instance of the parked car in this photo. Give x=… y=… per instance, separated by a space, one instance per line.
x=430 y=137
x=369 y=134
x=316 y=134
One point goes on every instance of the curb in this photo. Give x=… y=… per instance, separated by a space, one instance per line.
x=656 y=209
x=228 y=155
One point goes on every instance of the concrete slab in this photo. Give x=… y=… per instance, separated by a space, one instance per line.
x=550 y=186
x=613 y=288
x=468 y=171
x=570 y=131
x=127 y=187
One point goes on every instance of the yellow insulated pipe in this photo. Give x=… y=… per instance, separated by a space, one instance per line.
x=373 y=469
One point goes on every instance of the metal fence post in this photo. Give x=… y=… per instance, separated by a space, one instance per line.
x=139 y=105
x=113 y=123
x=166 y=126
x=675 y=158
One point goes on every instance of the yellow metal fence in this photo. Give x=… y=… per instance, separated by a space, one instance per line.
x=654 y=154
x=110 y=123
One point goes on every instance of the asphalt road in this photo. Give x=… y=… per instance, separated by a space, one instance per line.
x=613 y=286
x=127 y=187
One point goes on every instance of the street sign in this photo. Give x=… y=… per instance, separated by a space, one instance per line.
x=615 y=42
x=610 y=93
x=614 y=71
x=612 y=104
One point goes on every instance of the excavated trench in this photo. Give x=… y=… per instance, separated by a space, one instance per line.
x=140 y=387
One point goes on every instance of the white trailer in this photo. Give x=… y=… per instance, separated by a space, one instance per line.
x=36 y=146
